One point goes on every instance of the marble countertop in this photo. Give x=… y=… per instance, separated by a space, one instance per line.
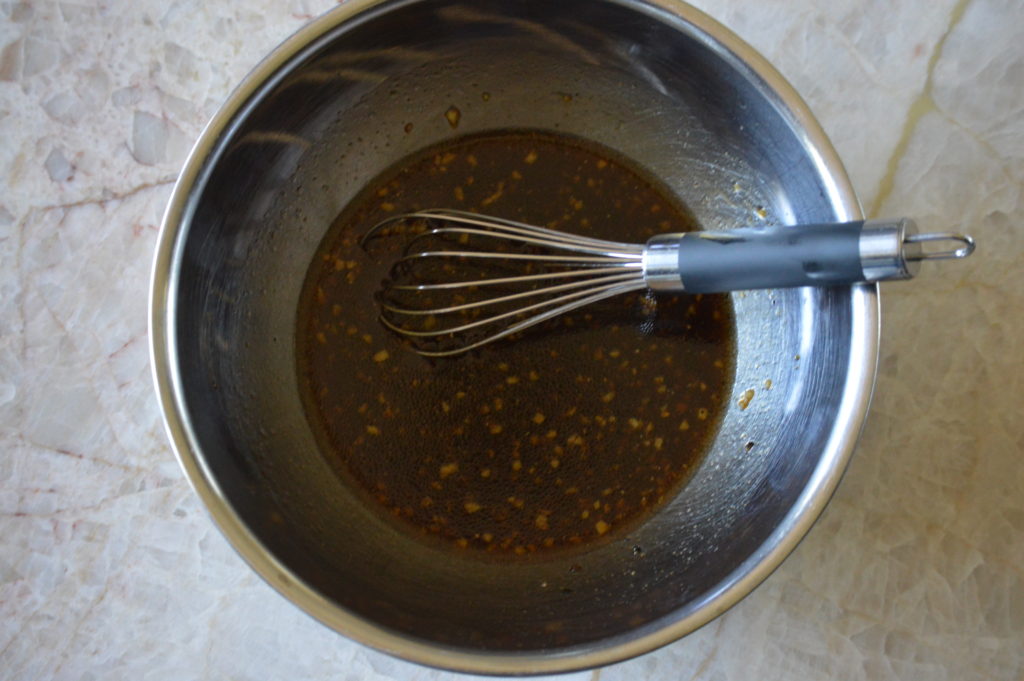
x=110 y=567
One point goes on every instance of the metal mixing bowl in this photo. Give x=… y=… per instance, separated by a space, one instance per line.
x=655 y=80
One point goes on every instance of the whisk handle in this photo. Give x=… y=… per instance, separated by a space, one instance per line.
x=802 y=255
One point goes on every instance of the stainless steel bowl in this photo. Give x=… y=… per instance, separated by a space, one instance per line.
x=656 y=80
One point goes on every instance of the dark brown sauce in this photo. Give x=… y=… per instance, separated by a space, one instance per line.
x=573 y=433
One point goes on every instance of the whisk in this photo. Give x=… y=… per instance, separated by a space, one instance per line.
x=465 y=280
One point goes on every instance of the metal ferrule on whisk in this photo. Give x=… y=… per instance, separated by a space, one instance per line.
x=661 y=263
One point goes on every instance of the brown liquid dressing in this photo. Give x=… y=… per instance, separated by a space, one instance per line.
x=576 y=431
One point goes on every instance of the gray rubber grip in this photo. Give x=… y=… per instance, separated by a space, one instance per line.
x=773 y=257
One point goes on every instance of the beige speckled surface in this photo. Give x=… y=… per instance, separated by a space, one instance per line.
x=109 y=567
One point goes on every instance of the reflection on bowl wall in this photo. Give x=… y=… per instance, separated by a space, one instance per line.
x=366 y=85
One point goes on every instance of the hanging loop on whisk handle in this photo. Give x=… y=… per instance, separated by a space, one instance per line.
x=829 y=254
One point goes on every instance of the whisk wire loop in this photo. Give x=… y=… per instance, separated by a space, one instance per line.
x=494 y=281
x=568 y=302
x=500 y=300
x=552 y=273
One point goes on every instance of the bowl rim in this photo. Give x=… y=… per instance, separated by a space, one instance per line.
x=747 y=576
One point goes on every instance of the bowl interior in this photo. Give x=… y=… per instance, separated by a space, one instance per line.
x=642 y=80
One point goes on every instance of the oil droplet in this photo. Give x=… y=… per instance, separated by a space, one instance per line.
x=745 y=398
x=453 y=115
